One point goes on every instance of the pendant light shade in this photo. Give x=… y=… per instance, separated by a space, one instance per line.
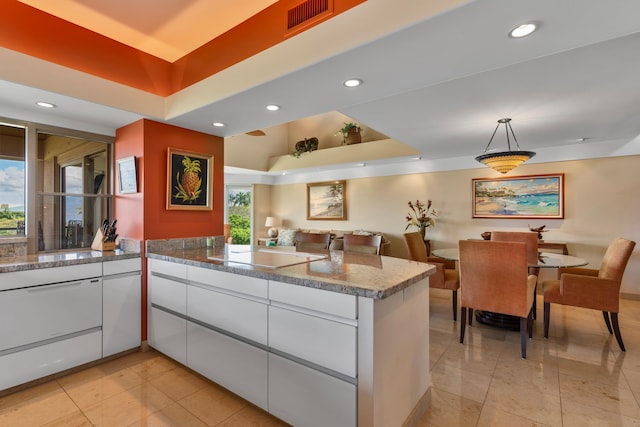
x=504 y=161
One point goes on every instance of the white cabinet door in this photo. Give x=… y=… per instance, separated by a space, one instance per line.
x=121 y=313
x=168 y=334
x=237 y=315
x=323 y=342
x=305 y=397
x=237 y=366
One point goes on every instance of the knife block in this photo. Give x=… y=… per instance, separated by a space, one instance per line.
x=100 y=245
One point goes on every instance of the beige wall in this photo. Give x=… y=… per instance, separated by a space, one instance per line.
x=601 y=202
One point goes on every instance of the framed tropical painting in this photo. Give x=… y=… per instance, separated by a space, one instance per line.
x=531 y=196
x=327 y=200
x=189 y=180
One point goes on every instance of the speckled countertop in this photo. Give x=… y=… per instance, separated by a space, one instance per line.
x=61 y=259
x=368 y=276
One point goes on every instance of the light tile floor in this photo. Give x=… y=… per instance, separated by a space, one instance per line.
x=577 y=377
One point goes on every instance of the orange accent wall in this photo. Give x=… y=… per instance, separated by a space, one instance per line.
x=143 y=215
x=31 y=31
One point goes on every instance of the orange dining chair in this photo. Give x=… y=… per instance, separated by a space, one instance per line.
x=494 y=277
x=591 y=288
x=367 y=244
x=530 y=239
x=312 y=241
x=445 y=276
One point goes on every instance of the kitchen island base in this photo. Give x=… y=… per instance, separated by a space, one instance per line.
x=316 y=357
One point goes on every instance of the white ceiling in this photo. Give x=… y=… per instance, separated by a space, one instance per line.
x=436 y=77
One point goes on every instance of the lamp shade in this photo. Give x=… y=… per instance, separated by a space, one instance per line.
x=272 y=222
x=504 y=161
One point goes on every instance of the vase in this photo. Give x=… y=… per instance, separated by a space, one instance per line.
x=427 y=244
x=353 y=136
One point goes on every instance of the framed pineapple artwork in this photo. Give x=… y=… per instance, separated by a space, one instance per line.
x=189 y=180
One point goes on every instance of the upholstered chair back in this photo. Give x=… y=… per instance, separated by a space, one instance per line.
x=494 y=277
x=530 y=239
x=615 y=259
x=416 y=247
x=312 y=241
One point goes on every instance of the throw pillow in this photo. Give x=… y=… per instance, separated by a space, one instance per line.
x=286 y=237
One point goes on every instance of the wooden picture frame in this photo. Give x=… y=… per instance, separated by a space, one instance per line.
x=127 y=175
x=189 y=180
x=327 y=201
x=529 y=196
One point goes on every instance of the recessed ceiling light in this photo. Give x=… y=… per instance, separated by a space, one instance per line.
x=218 y=124
x=45 y=104
x=352 y=82
x=523 y=30
x=273 y=107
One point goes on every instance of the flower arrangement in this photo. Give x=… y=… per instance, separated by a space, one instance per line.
x=421 y=216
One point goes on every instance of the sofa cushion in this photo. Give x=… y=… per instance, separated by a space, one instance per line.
x=287 y=237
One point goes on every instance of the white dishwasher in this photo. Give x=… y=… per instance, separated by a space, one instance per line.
x=50 y=327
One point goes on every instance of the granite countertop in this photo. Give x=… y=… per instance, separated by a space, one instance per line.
x=61 y=259
x=369 y=276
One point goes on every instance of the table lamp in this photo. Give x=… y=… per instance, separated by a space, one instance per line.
x=274 y=223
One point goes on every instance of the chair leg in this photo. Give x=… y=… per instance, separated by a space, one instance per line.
x=530 y=323
x=463 y=323
x=523 y=335
x=547 y=315
x=605 y=314
x=616 y=329
x=455 y=305
x=470 y=316
x=535 y=301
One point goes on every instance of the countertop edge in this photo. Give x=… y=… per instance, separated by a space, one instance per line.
x=24 y=263
x=282 y=276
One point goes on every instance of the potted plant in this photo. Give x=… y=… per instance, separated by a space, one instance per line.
x=350 y=133
x=305 y=146
x=422 y=217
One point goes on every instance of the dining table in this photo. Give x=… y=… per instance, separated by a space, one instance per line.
x=545 y=260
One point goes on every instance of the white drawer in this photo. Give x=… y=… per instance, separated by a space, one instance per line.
x=235 y=365
x=121 y=266
x=43 y=276
x=305 y=397
x=168 y=268
x=33 y=314
x=239 y=316
x=233 y=282
x=320 y=341
x=314 y=299
x=168 y=294
x=21 y=367
x=168 y=334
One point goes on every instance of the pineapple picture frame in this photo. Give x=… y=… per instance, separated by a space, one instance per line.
x=189 y=180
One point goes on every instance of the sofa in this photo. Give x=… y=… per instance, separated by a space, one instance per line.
x=287 y=237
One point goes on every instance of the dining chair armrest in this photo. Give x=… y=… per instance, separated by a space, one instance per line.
x=590 y=292
x=448 y=263
x=578 y=270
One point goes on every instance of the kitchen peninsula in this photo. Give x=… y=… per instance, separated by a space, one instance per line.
x=334 y=338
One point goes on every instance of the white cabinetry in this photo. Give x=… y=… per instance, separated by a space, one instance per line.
x=47 y=327
x=168 y=308
x=121 y=306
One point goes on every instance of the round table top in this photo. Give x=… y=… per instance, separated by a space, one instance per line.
x=545 y=259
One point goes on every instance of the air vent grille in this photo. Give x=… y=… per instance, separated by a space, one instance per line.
x=305 y=11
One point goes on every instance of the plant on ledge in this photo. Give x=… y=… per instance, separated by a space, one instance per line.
x=350 y=133
x=305 y=146
x=421 y=216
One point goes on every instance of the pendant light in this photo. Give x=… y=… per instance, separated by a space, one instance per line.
x=504 y=161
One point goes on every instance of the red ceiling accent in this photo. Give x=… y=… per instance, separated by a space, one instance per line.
x=33 y=32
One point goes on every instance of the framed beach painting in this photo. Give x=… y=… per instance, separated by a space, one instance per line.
x=327 y=200
x=189 y=180
x=531 y=196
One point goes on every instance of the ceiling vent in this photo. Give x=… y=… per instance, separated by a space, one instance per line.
x=307 y=12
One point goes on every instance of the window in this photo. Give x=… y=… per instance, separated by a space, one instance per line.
x=74 y=195
x=12 y=181
x=239 y=213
